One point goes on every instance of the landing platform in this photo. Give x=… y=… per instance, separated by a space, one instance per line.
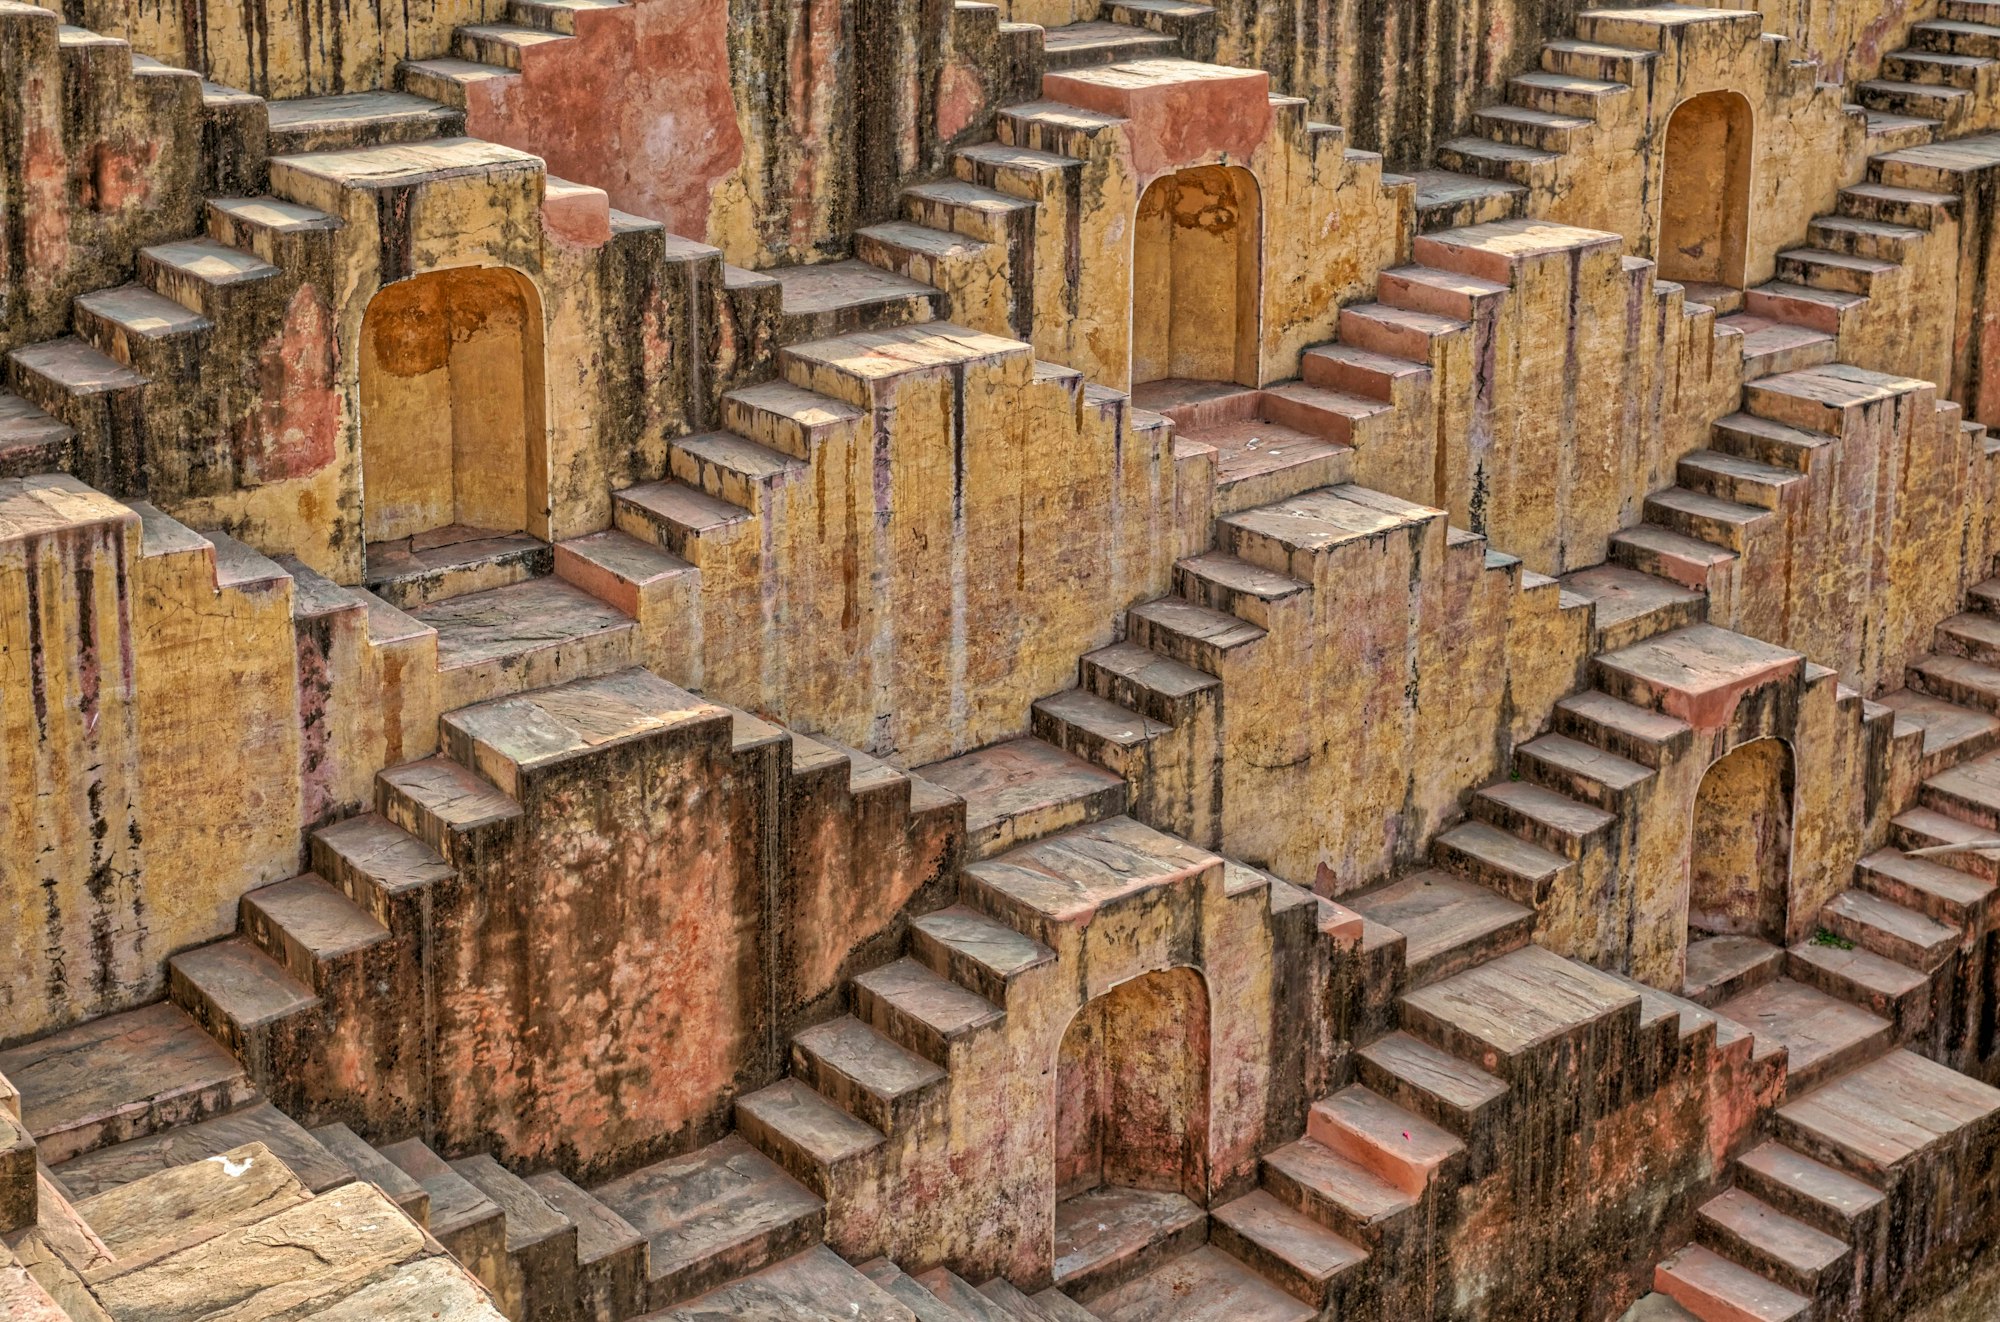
x=1821 y=1034
x=1204 y=1286
x=1698 y=674
x=1105 y=1231
x=1882 y=1117
x=121 y=1077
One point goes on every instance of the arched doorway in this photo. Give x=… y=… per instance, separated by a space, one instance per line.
x=1740 y=863
x=1131 y=1140
x=1704 y=230
x=1196 y=277
x=452 y=432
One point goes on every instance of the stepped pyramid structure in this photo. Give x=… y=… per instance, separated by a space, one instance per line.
x=1033 y=661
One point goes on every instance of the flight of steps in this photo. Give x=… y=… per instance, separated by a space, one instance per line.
x=1943 y=84
x=1487 y=174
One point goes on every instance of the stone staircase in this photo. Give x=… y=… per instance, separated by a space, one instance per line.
x=1943 y=84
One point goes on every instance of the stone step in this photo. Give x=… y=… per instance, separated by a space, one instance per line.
x=368 y=1164
x=1812 y=1191
x=1652 y=549
x=240 y=995
x=1528 y=166
x=317 y=1167
x=450 y=81
x=1206 y=1285
x=1715 y=1289
x=1873 y=239
x=676 y=517
x=1956 y=37
x=1112 y=1235
x=1887 y=204
x=529 y=635
x=503 y=45
x=1848 y=972
x=1771 y=347
x=975 y=951
x=713 y=1215
x=905 y=1290
x=1876 y=1121
x=957 y=1299
x=452 y=561
x=1563 y=94
x=558 y=15
x=1889 y=929
x=205 y=276
x=1822 y=1036
x=1439 y=1086
x=1086 y=45
x=1823 y=310
x=1948 y=105
x=1630 y=607
x=921 y=1011
x=1449 y=923
x=1510 y=1016
x=471 y=1226
x=1338 y=1193
x=812 y=1286
x=1738 y=480
x=1448 y=200
x=1058 y=1306
x=611 y=1255
x=1720 y=522
x=309 y=928
x=1960 y=844
x=840 y=298
x=1551 y=820
x=972 y=210
x=1393 y=380
x=1893 y=133
x=144 y=330
x=1974 y=635
x=1957 y=679
x=1097 y=730
x=1153 y=685
x=285 y=234
x=1582 y=771
x=1316 y=426
x=787 y=419
x=1597 y=59
x=541 y=1242
x=1697 y=674
x=1720 y=968
x=1215 y=581
x=1400 y=1146
x=1015 y=1306
x=1744 y=1228
x=1932 y=888
x=1666 y=28
x=1024 y=790
x=99 y=399
x=1483 y=853
x=1197 y=635
x=1638 y=733
x=359 y=119
x=1984 y=597
x=382 y=868
x=1397 y=333
x=812 y=1138
x=1819 y=268
x=1969 y=791
x=1050 y=888
x=1951 y=733
x=30 y=440
x=1524 y=126
x=1284 y=1246
x=735 y=470
x=865 y=1073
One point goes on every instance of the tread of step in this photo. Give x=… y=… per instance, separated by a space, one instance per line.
x=1781 y=1247
x=1206 y=1285
x=1412 y=1072
x=317 y=1167
x=1935 y=889
x=975 y=950
x=1283 y=1244
x=921 y=1010
x=1889 y=929
x=370 y=1165
x=712 y=1214
x=121 y=1077
x=1710 y=1285
x=1822 y=1035
x=864 y=1071
x=358 y=119
x=1447 y=921
x=1106 y=1234
x=1024 y=789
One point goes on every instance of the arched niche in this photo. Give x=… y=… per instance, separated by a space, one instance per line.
x=1196 y=277
x=1704 y=230
x=452 y=429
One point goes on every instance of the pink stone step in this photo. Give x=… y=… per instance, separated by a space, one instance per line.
x=1402 y=1148
x=1715 y=1289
